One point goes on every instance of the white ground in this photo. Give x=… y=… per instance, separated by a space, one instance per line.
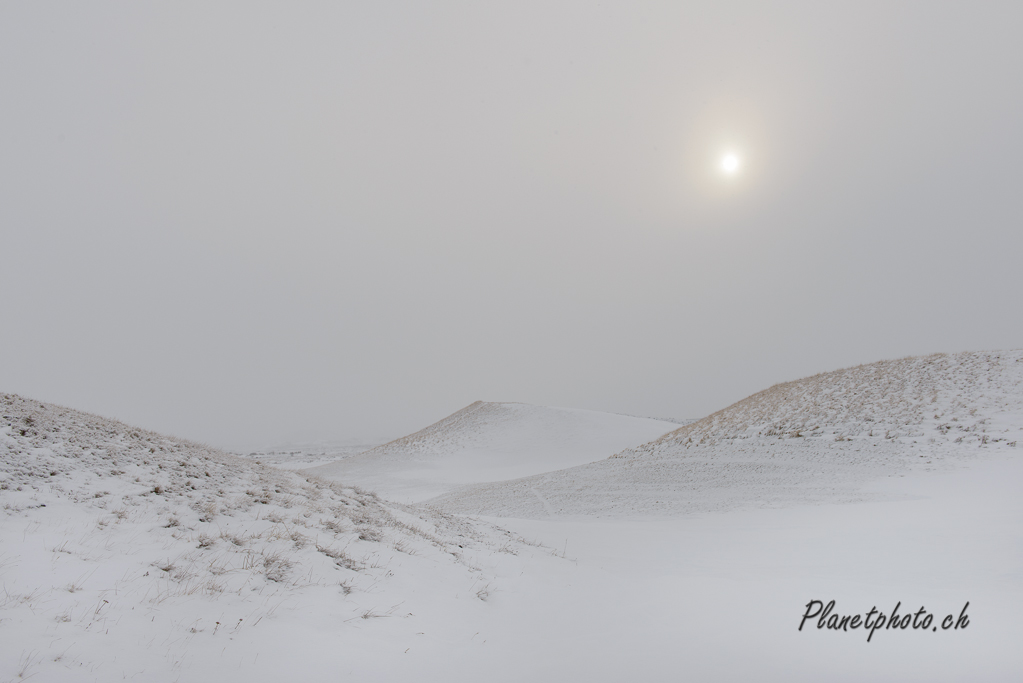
x=126 y=555
x=714 y=591
x=718 y=596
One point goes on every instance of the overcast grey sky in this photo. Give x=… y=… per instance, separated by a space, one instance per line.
x=248 y=223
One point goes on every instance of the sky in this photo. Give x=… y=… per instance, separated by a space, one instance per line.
x=252 y=223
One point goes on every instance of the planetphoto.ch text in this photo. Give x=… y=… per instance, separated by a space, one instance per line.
x=827 y=618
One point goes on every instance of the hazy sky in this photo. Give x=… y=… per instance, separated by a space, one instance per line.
x=249 y=223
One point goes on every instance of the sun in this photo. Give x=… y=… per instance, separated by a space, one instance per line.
x=730 y=163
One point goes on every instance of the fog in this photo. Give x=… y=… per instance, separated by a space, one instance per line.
x=251 y=223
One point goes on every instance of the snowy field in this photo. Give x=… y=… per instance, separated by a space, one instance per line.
x=126 y=555
x=301 y=456
x=719 y=596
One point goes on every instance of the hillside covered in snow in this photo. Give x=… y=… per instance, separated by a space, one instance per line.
x=127 y=555
x=491 y=442
x=124 y=553
x=819 y=439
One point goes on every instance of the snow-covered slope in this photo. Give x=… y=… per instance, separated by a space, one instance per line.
x=813 y=440
x=491 y=442
x=124 y=553
x=258 y=575
x=965 y=397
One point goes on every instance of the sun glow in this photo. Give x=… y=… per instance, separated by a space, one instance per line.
x=730 y=164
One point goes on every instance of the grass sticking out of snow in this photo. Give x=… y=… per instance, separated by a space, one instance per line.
x=112 y=534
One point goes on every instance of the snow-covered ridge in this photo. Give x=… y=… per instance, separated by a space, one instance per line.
x=458 y=430
x=818 y=440
x=491 y=442
x=963 y=397
x=482 y=423
x=109 y=530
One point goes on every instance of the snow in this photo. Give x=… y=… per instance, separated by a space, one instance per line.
x=690 y=557
x=491 y=442
x=303 y=456
x=812 y=441
x=719 y=596
x=129 y=554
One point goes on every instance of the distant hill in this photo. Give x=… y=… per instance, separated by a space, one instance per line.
x=491 y=442
x=819 y=439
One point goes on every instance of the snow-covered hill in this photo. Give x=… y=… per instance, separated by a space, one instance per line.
x=965 y=397
x=491 y=442
x=818 y=439
x=124 y=553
